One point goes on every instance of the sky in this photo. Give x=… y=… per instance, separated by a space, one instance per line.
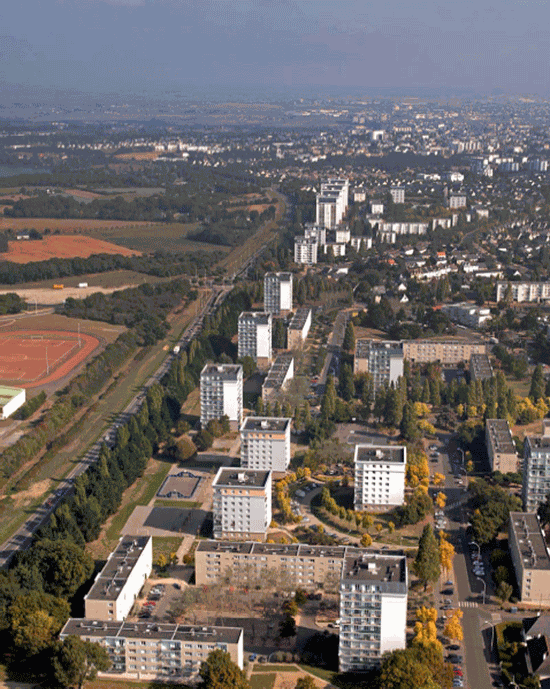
x=155 y=46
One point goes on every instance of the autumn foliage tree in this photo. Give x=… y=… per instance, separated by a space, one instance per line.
x=453 y=628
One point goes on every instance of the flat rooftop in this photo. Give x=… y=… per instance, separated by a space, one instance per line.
x=539 y=442
x=380 y=453
x=480 y=367
x=145 y=630
x=7 y=394
x=364 y=347
x=265 y=423
x=240 y=478
x=531 y=543
x=223 y=371
x=261 y=317
x=278 y=370
x=299 y=318
x=292 y=550
x=120 y=564
x=283 y=277
x=500 y=436
x=388 y=571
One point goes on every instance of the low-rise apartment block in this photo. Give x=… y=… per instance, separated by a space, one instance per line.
x=298 y=328
x=221 y=389
x=144 y=650
x=265 y=443
x=373 y=609
x=470 y=315
x=480 y=367
x=530 y=557
x=383 y=359
x=280 y=373
x=241 y=503
x=445 y=352
x=379 y=476
x=501 y=448
x=117 y=586
x=523 y=291
x=255 y=336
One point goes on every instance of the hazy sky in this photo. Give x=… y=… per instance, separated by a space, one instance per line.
x=150 y=45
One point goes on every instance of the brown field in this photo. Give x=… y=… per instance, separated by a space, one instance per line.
x=35 y=357
x=66 y=225
x=81 y=194
x=60 y=246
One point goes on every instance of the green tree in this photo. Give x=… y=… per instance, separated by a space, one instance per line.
x=218 y=671
x=348 y=343
x=305 y=683
x=249 y=366
x=426 y=563
x=347 y=386
x=538 y=384
x=504 y=591
x=76 y=661
x=35 y=619
x=409 y=427
x=287 y=627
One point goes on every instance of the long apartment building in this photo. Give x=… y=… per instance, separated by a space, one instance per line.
x=254 y=333
x=279 y=376
x=265 y=443
x=523 y=291
x=445 y=352
x=118 y=584
x=389 y=231
x=221 y=390
x=278 y=293
x=298 y=328
x=469 y=315
x=148 y=651
x=379 y=475
x=501 y=448
x=529 y=553
x=241 y=504
x=383 y=359
x=373 y=609
x=480 y=367
x=536 y=468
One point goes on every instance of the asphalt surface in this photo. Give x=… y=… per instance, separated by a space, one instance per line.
x=23 y=537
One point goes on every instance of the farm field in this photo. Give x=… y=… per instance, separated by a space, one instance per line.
x=60 y=246
x=118 y=279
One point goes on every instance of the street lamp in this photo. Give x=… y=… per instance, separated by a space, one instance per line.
x=484 y=587
x=462 y=453
x=476 y=545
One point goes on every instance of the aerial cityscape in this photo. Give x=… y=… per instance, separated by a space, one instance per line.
x=274 y=345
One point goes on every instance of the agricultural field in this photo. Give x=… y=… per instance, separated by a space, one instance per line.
x=60 y=246
x=116 y=279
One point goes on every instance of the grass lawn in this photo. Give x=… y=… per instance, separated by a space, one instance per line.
x=326 y=675
x=187 y=504
x=165 y=545
x=276 y=668
x=263 y=681
x=125 y=684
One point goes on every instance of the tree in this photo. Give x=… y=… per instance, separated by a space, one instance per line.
x=305 y=683
x=218 y=671
x=76 y=661
x=403 y=669
x=287 y=627
x=441 y=500
x=409 y=426
x=348 y=343
x=35 y=619
x=426 y=563
x=504 y=591
x=439 y=479
x=453 y=628
x=538 y=384
x=366 y=540
x=446 y=553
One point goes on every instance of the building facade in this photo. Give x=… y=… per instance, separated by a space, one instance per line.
x=265 y=443
x=536 y=469
x=383 y=359
x=379 y=476
x=255 y=336
x=278 y=293
x=222 y=393
x=305 y=250
x=141 y=650
x=523 y=291
x=470 y=315
x=398 y=194
x=241 y=503
x=446 y=352
x=117 y=586
x=331 y=203
x=10 y=400
x=529 y=553
x=373 y=609
x=279 y=376
x=501 y=448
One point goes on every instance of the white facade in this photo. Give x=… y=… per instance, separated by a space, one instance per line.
x=305 y=251
x=524 y=291
x=10 y=400
x=457 y=201
x=316 y=232
x=221 y=389
x=265 y=443
x=373 y=609
x=278 y=293
x=255 y=335
x=332 y=203
x=280 y=373
x=398 y=194
x=117 y=586
x=298 y=328
x=383 y=359
x=241 y=504
x=469 y=315
x=536 y=469
x=376 y=207
x=379 y=475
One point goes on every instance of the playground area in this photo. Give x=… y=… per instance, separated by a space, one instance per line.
x=33 y=357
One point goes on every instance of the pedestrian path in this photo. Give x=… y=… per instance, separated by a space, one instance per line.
x=467 y=604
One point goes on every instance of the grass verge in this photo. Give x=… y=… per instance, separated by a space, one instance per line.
x=263 y=681
x=165 y=545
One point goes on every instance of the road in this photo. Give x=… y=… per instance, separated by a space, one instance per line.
x=23 y=537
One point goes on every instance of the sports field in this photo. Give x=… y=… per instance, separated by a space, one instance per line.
x=34 y=357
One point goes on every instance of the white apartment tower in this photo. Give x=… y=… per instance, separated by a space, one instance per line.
x=332 y=203
x=265 y=443
x=278 y=293
x=536 y=468
x=305 y=250
x=379 y=476
x=222 y=393
x=241 y=504
x=398 y=194
x=373 y=609
x=255 y=335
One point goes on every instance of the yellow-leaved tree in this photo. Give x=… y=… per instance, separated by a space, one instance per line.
x=453 y=628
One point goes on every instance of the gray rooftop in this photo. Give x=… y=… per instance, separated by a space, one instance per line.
x=363 y=348
x=380 y=453
x=500 y=436
x=388 y=571
x=145 y=630
x=299 y=318
x=261 y=317
x=480 y=367
x=278 y=370
x=283 y=277
x=240 y=478
x=120 y=564
x=530 y=540
x=222 y=371
x=265 y=423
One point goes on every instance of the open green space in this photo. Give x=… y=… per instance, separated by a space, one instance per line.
x=276 y=668
x=165 y=546
x=114 y=278
x=263 y=681
x=184 y=504
x=326 y=675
